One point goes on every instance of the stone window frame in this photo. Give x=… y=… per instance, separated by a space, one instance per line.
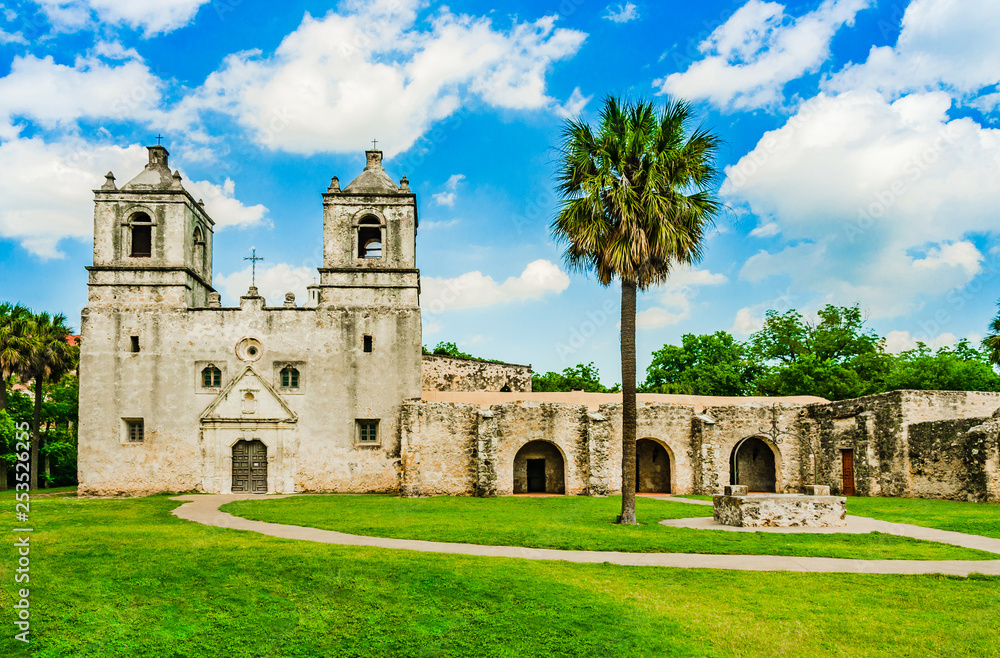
x=279 y=366
x=132 y=426
x=199 y=258
x=199 y=382
x=360 y=427
x=127 y=226
x=360 y=216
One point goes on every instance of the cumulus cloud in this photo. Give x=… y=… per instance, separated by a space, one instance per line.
x=674 y=297
x=574 y=105
x=273 y=281
x=473 y=289
x=749 y=59
x=447 y=198
x=875 y=198
x=621 y=13
x=900 y=341
x=370 y=70
x=150 y=16
x=47 y=188
x=90 y=88
x=942 y=44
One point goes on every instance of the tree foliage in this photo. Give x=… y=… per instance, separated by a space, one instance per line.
x=715 y=364
x=581 y=376
x=836 y=357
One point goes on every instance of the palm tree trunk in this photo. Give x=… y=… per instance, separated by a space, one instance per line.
x=35 y=438
x=628 y=403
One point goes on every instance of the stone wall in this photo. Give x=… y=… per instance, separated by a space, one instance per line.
x=446 y=373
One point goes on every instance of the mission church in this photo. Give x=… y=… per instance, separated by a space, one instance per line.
x=179 y=393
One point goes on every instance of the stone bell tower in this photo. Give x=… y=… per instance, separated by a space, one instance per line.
x=152 y=241
x=369 y=241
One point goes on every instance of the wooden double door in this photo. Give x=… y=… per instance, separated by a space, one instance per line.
x=250 y=467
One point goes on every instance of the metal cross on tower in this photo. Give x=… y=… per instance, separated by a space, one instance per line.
x=158 y=138
x=374 y=144
x=253 y=258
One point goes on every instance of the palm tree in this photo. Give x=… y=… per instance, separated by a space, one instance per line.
x=992 y=341
x=51 y=357
x=15 y=348
x=636 y=202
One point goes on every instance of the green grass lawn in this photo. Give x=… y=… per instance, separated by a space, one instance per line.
x=572 y=522
x=125 y=578
x=972 y=518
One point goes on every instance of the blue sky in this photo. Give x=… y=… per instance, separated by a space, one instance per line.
x=860 y=163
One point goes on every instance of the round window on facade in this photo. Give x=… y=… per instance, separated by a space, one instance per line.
x=249 y=349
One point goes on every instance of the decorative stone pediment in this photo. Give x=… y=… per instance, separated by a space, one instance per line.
x=249 y=398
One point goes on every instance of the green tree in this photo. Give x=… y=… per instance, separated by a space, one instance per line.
x=51 y=357
x=636 y=201
x=581 y=376
x=835 y=358
x=15 y=350
x=451 y=349
x=963 y=368
x=714 y=364
x=992 y=341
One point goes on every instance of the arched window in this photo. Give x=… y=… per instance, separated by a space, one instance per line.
x=141 y=236
x=211 y=377
x=289 y=377
x=369 y=238
x=199 y=250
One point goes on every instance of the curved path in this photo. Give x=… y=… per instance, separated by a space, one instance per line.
x=204 y=509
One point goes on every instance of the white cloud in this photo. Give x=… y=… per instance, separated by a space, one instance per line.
x=47 y=190
x=942 y=43
x=768 y=230
x=273 y=281
x=222 y=205
x=447 y=198
x=749 y=59
x=151 y=16
x=900 y=341
x=372 y=71
x=573 y=106
x=540 y=278
x=874 y=198
x=434 y=226
x=621 y=13
x=91 y=88
x=674 y=297
x=747 y=321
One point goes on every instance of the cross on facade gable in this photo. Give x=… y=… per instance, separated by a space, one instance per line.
x=253 y=258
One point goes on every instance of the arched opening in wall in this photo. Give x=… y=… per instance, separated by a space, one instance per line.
x=141 y=236
x=249 y=467
x=752 y=464
x=199 y=250
x=539 y=468
x=369 y=238
x=652 y=467
x=505 y=388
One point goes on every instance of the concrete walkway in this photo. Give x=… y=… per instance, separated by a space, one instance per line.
x=204 y=509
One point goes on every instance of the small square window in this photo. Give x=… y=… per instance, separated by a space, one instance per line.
x=369 y=343
x=135 y=431
x=368 y=432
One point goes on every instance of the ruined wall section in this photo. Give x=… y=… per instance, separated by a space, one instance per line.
x=439 y=448
x=563 y=425
x=670 y=425
x=446 y=373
